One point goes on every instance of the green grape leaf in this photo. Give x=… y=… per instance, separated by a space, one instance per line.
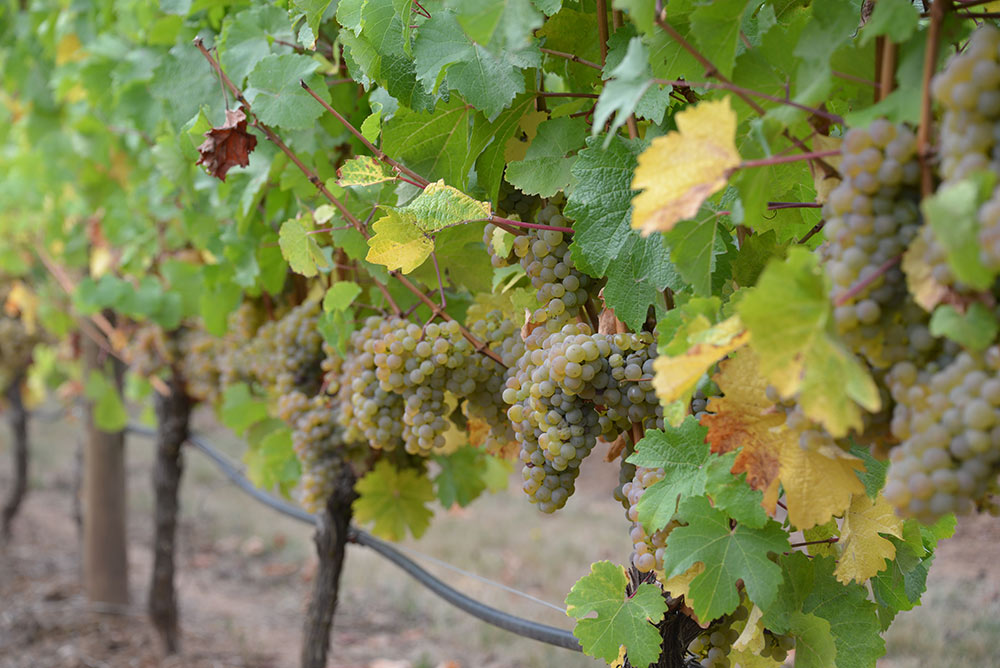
x=336 y=327
x=461 y=479
x=439 y=206
x=363 y=170
x=399 y=242
x=434 y=144
x=814 y=645
x=651 y=106
x=350 y=14
x=240 y=408
x=271 y=460
x=695 y=244
x=903 y=581
x=789 y=316
x=299 y=247
x=277 y=96
x=897 y=19
x=487 y=81
x=395 y=499
x=638 y=277
x=731 y=494
x=109 y=411
x=682 y=453
x=184 y=81
x=810 y=587
x=620 y=620
x=340 y=295
x=545 y=169
x=313 y=10
x=371 y=127
x=504 y=25
x=490 y=164
x=975 y=329
x=755 y=252
x=601 y=204
x=729 y=554
x=247 y=36
x=626 y=84
x=873 y=477
x=952 y=214
x=547 y=7
x=716 y=29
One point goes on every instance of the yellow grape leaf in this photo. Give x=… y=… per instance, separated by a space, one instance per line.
x=398 y=243
x=818 y=483
x=747 y=659
x=790 y=318
x=863 y=550
x=676 y=376
x=439 y=206
x=751 y=638
x=680 y=584
x=744 y=418
x=69 y=50
x=682 y=168
x=362 y=170
x=919 y=273
x=23 y=303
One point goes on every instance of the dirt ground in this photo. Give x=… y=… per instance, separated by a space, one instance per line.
x=245 y=574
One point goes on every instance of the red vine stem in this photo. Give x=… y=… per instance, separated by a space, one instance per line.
x=938 y=10
x=571 y=56
x=860 y=286
x=498 y=221
x=602 y=29
x=377 y=152
x=831 y=540
x=740 y=90
x=781 y=159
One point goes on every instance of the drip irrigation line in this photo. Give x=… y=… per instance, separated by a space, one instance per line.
x=518 y=625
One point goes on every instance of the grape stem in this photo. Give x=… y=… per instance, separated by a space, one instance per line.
x=860 y=286
x=377 y=152
x=781 y=159
x=733 y=88
x=500 y=222
x=571 y=56
x=602 y=29
x=924 y=149
x=774 y=206
x=831 y=540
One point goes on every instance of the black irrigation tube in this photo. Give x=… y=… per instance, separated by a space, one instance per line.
x=518 y=625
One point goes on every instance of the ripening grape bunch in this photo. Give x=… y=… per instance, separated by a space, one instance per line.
x=287 y=354
x=16 y=344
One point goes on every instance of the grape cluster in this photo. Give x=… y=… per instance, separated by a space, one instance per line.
x=16 y=344
x=317 y=439
x=968 y=89
x=149 y=351
x=235 y=354
x=714 y=645
x=287 y=354
x=777 y=646
x=485 y=402
x=989 y=232
x=948 y=422
x=368 y=413
x=647 y=550
x=871 y=217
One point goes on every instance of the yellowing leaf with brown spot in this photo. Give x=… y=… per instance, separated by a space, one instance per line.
x=398 y=243
x=863 y=550
x=682 y=168
x=676 y=376
x=679 y=585
x=818 y=484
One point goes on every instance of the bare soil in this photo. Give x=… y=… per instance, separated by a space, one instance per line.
x=245 y=575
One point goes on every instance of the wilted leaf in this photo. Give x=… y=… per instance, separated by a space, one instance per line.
x=681 y=169
x=228 y=145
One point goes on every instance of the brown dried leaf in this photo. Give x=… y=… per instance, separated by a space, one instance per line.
x=228 y=145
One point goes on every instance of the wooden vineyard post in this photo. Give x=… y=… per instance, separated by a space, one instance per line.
x=105 y=560
x=331 y=541
x=18 y=419
x=173 y=413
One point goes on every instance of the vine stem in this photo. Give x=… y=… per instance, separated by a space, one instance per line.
x=938 y=10
x=860 y=286
x=713 y=72
x=602 y=29
x=831 y=540
x=741 y=91
x=273 y=138
x=774 y=206
x=377 y=152
x=781 y=159
x=571 y=56
x=497 y=220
